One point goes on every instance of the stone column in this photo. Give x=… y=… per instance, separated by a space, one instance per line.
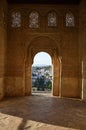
x=28 y=74
x=28 y=84
x=56 y=76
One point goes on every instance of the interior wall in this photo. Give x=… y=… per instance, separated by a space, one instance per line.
x=82 y=45
x=20 y=38
x=70 y=65
x=3 y=41
x=14 y=66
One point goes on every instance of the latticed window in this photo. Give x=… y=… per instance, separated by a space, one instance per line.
x=52 y=19
x=16 y=19
x=34 y=20
x=70 y=20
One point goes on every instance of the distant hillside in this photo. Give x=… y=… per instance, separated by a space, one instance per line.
x=45 y=67
x=40 y=65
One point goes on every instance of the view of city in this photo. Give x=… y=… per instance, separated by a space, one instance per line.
x=42 y=78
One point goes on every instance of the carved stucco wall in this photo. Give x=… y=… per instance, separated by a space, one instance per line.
x=46 y=44
x=67 y=40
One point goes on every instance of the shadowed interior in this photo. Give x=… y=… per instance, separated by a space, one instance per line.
x=44 y=1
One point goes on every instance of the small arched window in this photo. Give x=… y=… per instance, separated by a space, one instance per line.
x=52 y=19
x=70 y=20
x=16 y=19
x=34 y=20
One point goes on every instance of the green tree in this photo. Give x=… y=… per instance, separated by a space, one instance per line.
x=49 y=85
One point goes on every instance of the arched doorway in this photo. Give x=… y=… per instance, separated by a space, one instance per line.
x=44 y=44
x=42 y=72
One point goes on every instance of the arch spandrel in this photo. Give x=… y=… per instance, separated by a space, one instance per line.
x=44 y=43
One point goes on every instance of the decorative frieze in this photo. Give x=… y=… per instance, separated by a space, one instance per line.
x=34 y=20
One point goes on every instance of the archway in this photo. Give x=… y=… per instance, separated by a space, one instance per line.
x=44 y=44
x=42 y=72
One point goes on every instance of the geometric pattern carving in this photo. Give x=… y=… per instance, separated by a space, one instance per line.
x=34 y=20
x=16 y=19
x=52 y=19
x=70 y=20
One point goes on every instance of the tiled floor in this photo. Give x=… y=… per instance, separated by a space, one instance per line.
x=42 y=112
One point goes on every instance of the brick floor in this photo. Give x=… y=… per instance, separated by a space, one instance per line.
x=42 y=112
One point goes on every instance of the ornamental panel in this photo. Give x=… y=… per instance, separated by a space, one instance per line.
x=34 y=20
x=16 y=19
x=70 y=20
x=52 y=19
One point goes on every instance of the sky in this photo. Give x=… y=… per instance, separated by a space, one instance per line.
x=42 y=58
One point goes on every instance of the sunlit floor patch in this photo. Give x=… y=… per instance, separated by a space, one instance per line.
x=33 y=125
x=41 y=112
x=8 y=122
